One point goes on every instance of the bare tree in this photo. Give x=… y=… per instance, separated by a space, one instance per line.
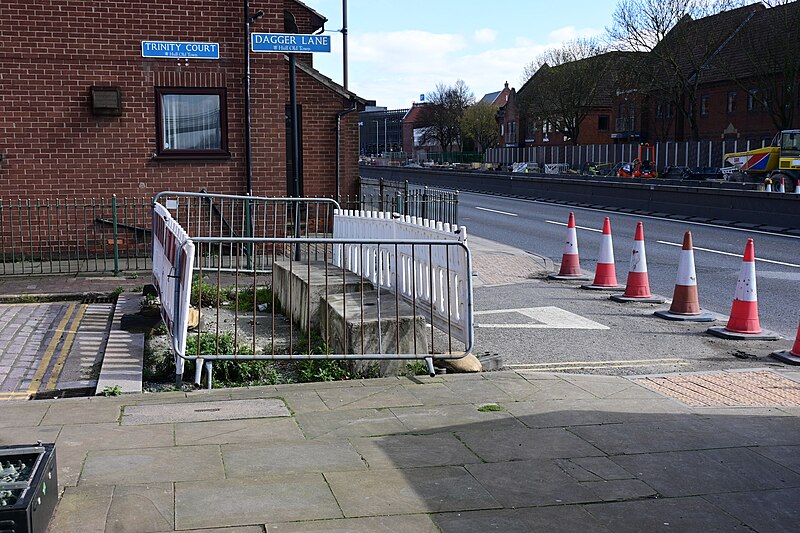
x=763 y=59
x=682 y=39
x=564 y=85
x=480 y=125
x=442 y=116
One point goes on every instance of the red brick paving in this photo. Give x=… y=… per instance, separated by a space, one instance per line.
x=727 y=389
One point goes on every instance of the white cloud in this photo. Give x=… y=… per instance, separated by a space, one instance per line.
x=485 y=36
x=394 y=68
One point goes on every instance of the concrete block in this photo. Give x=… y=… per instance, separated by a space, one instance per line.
x=353 y=329
x=300 y=289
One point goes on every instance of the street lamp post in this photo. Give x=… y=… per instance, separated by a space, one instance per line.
x=377 y=139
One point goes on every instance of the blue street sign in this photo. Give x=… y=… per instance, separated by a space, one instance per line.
x=289 y=42
x=421 y=97
x=180 y=50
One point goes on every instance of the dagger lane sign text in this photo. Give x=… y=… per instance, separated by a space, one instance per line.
x=289 y=42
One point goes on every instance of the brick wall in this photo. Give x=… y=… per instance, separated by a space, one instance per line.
x=53 y=146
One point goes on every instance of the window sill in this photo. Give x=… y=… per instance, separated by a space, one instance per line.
x=191 y=157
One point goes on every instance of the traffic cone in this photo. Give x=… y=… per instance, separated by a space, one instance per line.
x=570 y=260
x=790 y=356
x=685 y=301
x=743 y=322
x=782 y=186
x=637 y=288
x=797 y=187
x=605 y=277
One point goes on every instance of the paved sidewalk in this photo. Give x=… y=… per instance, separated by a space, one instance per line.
x=499 y=451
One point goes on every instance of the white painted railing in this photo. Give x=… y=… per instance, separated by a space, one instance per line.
x=435 y=279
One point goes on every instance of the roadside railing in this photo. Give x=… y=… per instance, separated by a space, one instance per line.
x=428 y=203
x=72 y=236
x=395 y=297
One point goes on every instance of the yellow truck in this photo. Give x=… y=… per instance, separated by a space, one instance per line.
x=780 y=161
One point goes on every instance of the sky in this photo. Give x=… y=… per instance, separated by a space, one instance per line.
x=401 y=49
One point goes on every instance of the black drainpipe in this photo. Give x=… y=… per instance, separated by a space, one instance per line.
x=339 y=116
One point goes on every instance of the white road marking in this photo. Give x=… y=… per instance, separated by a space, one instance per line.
x=496 y=211
x=579 y=227
x=544 y=318
x=651 y=217
x=730 y=254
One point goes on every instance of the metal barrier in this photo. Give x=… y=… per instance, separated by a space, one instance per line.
x=434 y=282
x=413 y=301
x=400 y=197
x=72 y=236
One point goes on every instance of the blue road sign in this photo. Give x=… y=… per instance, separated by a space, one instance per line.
x=289 y=42
x=180 y=50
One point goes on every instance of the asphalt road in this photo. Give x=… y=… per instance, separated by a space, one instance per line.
x=540 y=227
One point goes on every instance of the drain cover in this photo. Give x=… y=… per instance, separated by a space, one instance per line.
x=138 y=415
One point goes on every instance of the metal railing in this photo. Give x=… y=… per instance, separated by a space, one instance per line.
x=400 y=197
x=272 y=297
x=72 y=236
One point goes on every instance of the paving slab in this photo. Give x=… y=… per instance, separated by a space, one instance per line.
x=531 y=483
x=523 y=444
x=29 y=435
x=137 y=415
x=81 y=411
x=559 y=519
x=22 y=414
x=408 y=491
x=449 y=418
x=142 y=509
x=567 y=413
x=82 y=509
x=673 y=514
x=658 y=435
x=252 y=460
x=379 y=524
x=368 y=397
x=350 y=423
x=409 y=451
x=112 y=436
x=152 y=465
x=691 y=473
x=767 y=510
x=260 y=430
x=253 y=501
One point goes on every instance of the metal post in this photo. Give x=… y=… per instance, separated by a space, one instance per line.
x=114 y=225
x=344 y=45
x=295 y=148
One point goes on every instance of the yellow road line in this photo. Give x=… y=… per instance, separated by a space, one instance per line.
x=555 y=368
x=8 y=396
x=51 y=348
x=65 y=348
x=615 y=361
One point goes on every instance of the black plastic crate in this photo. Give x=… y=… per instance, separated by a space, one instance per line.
x=28 y=487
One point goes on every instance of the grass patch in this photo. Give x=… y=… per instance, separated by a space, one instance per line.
x=490 y=407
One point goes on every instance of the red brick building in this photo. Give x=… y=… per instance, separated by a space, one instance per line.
x=737 y=77
x=85 y=114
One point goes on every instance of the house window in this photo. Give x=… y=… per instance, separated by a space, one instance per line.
x=704 y=102
x=751 y=99
x=732 y=102
x=191 y=123
x=602 y=123
x=659 y=110
x=670 y=110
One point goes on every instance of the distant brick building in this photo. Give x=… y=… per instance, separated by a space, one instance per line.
x=84 y=113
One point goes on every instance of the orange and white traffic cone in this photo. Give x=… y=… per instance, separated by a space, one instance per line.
x=782 y=186
x=570 y=260
x=743 y=322
x=605 y=277
x=685 y=300
x=637 y=288
x=790 y=356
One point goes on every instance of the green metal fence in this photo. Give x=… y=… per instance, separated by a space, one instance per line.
x=74 y=236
